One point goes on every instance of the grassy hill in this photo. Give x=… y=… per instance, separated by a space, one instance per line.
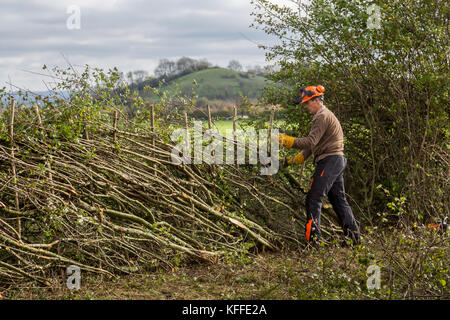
x=219 y=84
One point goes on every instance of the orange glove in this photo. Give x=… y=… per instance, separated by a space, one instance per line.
x=298 y=159
x=286 y=141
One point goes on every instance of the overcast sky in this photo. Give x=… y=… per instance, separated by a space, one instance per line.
x=128 y=34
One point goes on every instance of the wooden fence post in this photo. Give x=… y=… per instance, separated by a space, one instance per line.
x=116 y=120
x=234 y=137
x=186 y=125
x=213 y=170
x=38 y=116
x=269 y=144
x=13 y=165
x=86 y=134
x=152 y=119
x=209 y=117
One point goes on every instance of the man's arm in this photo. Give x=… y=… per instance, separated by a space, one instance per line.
x=318 y=128
x=306 y=153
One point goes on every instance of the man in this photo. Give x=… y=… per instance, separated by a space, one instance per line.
x=326 y=142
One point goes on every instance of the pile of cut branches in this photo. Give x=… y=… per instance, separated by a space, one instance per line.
x=113 y=201
x=97 y=189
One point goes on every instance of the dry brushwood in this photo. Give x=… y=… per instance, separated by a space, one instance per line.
x=111 y=201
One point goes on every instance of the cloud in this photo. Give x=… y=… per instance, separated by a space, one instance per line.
x=129 y=34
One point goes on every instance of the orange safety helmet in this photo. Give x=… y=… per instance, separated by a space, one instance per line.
x=311 y=92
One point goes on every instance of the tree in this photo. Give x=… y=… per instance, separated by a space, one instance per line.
x=165 y=68
x=203 y=64
x=140 y=75
x=182 y=66
x=385 y=72
x=185 y=64
x=256 y=70
x=235 y=65
x=130 y=77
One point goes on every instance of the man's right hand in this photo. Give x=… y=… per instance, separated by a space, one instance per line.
x=297 y=160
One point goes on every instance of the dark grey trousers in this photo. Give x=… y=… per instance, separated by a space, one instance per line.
x=328 y=180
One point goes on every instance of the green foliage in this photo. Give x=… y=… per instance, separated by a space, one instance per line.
x=413 y=265
x=388 y=86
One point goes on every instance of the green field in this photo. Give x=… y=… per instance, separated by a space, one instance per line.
x=218 y=83
x=223 y=125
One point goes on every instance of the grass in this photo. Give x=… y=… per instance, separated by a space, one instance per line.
x=218 y=83
x=266 y=276
x=223 y=125
x=413 y=263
